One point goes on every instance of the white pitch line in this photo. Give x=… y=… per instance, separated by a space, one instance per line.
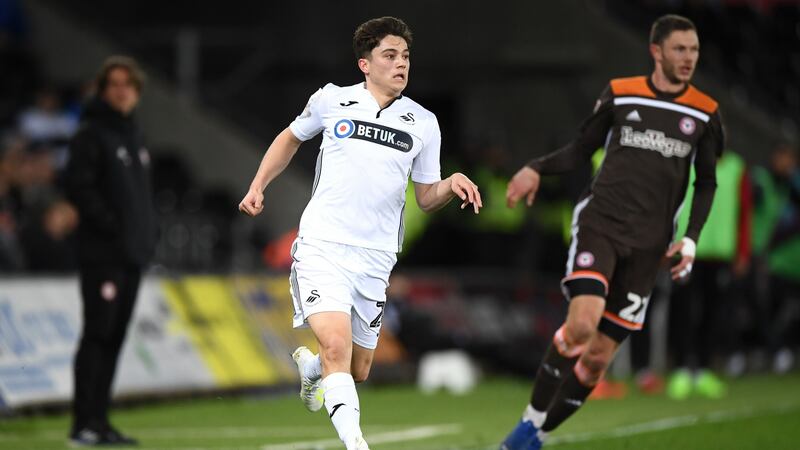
x=376 y=436
x=670 y=423
x=410 y=434
x=422 y=432
x=205 y=432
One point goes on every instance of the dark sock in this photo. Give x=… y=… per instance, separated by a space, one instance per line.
x=552 y=371
x=569 y=398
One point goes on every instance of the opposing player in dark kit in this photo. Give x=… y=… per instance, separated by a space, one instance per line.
x=654 y=128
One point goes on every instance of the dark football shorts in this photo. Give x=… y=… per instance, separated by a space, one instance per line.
x=624 y=276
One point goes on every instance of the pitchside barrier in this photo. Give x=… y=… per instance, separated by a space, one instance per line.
x=188 y=334
x=195 y=333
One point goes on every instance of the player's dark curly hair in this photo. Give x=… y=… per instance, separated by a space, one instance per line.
x=369 y=34
x=665 y=25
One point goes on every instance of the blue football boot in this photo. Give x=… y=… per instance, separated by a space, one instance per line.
x=526 y=435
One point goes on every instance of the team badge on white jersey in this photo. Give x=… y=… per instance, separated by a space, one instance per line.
x=343 y=128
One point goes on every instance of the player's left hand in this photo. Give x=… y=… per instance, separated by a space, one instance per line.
x=687 y=249
x=466 y=190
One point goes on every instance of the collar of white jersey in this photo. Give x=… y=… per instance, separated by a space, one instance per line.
x=363 y=85
x=375 y=101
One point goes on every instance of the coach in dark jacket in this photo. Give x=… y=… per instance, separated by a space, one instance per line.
x=108 y=180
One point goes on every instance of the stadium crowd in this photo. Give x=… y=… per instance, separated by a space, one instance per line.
x=36 y=223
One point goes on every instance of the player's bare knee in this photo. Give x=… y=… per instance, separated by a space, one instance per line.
x=579 y=330
x=591 y=368
x=334 y=350
x=361 y=363
x=584 y=315
x=360 y=374
x=596 y=361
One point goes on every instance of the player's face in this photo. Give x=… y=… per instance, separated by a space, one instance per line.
x=678 y=56
x=388 y=65
x=120 y=92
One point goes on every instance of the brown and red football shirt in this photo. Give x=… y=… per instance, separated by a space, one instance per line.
x=651 y=139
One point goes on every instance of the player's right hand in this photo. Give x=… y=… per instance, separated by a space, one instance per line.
x=525 y=183
x=253 y=203
x=687 y=249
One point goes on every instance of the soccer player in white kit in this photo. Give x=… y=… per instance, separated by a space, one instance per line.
x=352 y=228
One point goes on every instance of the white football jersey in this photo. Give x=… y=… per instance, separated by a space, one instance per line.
x=366 y=156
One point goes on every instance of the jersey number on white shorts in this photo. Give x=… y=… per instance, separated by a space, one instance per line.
x=376 y=322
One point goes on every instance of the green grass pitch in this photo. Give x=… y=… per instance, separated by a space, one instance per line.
x=758 y=413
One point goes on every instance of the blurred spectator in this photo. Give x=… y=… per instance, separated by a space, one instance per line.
x=43 y=220
x=108 y=179
x=699 y=309
x=46 y=121
x=11 y=258
x=776 y=241
x=47 y=236
x=34 y=172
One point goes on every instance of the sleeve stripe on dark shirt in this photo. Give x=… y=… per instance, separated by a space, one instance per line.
x=663 y=105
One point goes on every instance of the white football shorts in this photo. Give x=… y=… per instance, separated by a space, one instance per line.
x=328 y=276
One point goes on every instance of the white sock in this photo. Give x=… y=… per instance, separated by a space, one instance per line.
x=341 y=401
x=537 y=417
x=313 y=368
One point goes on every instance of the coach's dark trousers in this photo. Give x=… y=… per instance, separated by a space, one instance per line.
x=109 y=294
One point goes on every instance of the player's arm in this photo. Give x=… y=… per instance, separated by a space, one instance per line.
x=307 y=125
x=275 y=160
x=431 y=197
x=705 y=166
x=591 y=136
x=431 y=191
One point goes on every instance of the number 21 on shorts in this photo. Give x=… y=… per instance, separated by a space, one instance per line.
x=635 y=312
